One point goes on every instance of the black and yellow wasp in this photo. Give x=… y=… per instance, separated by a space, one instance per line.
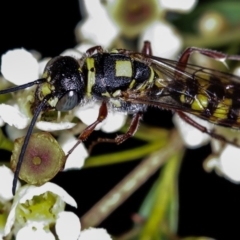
x=129 y=82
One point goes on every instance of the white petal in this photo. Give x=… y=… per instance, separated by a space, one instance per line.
x=27 y=192
x=77 y=157
x=72 y=53
x=89 y=114
x=1 y=122
x=230 y=164
x=51 y=126
x=67 y=226
x=31 y=232
x=13 y=116
x=14 y=133
x=83 y=47
x=6 y=179
x=42 y=64
x=19 y=66
x=180 y=6
x=91 y=30
x=115 y=121
x=191 y=136
x=165 y=40
x=94 y=234
x=237 y=71
x=92 y=8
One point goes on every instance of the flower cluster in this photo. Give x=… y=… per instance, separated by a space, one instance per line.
x=38 y=213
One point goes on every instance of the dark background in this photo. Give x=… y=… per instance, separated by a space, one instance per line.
x=209 y=205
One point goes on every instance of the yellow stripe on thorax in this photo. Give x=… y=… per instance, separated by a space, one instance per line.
x=123 y=68
x=91 y=75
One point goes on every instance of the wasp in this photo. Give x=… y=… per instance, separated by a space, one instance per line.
x=127 y=81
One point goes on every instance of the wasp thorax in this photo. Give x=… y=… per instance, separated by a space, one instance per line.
x=65 y=82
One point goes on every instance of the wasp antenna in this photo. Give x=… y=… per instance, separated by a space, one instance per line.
x=26 y=140
x=26 y=85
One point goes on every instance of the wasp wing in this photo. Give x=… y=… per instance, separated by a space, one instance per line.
x=207 y=93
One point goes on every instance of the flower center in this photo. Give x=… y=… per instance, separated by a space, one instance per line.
x=36 y=160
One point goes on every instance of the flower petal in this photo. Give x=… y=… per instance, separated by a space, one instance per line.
x=88 y=114
x=94 y=234
x=67 y=226
x=54 y=126
x=229 y=163
x=167 y=46
x=77 y=158
x=31 y=232
x=19 y=66
x=191 y=136
x=115 y=121
x=179 y=6
x=13 y=116
x=27 y=192
x=6 y=179
x=91 y=30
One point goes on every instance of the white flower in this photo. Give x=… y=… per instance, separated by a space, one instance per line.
x=225 y=162
x=77 y=158
x=94 y=234
x=166 y=42
x=37 y=208
x=178 y=6
x=35 y=231
x=6 y=180
x=225 y=157
x=192 y=137
x=67 y=226
x=13 y=116
x=19 y=66
x=89 y=114
x=96 y=27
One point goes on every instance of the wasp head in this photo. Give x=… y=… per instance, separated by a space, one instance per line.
x=64 y=82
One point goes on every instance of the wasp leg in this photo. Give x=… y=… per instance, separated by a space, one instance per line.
x=147 y=49
x=123 y=137
x=87 y=131
x=93 y=50
x=218 y=56
x=203 y=129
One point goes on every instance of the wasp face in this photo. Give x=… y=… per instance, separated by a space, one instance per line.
x=65 y=82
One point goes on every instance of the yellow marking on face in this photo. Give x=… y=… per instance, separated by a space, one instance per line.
x=123 y=68
x=91 y=75
x=115 y=102
x=116 y=93
x=45 y=74
x=200 y=102
x=222 y=109
x=53 y=101
x=106 y=94
x=45 y=90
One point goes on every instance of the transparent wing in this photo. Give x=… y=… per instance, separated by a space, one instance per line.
x=216 y=94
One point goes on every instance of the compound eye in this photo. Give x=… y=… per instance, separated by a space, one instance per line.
x=68 y=101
